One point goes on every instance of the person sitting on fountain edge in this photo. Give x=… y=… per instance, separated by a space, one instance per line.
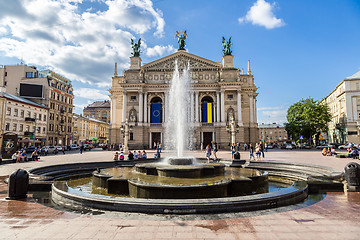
x=130 y=156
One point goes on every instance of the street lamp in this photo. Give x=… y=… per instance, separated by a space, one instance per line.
x=125 y=130
x=232 y=129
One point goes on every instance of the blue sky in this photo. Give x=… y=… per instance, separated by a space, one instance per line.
x=298 y=49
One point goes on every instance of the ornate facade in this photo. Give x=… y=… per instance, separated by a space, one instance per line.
x=144 y=87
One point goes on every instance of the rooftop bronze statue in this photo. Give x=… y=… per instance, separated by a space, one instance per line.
x=181 y=39
x=136 y=48
x=226 y=46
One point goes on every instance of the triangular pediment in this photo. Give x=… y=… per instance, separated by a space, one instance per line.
x=183 y=58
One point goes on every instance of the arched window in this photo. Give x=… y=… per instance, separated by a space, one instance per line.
x=156 y=110
x=207 y=109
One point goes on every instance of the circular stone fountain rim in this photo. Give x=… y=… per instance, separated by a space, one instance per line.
x=286 y=196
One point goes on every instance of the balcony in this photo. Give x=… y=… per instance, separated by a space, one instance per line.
x=29 y=119
x=28 y=133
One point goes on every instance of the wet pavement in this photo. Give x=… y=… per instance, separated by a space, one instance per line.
x=337 y=216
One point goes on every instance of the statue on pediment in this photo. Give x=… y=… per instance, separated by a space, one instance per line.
x=136 y=48
x=181 y=39
x=226 y=46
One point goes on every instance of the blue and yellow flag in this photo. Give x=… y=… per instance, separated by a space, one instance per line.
x=207 y=112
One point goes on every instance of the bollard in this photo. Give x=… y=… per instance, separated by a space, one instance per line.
x=18 y=184
x=352 y=176
x=237 y=155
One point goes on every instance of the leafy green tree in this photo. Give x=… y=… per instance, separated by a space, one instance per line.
x=308 y=118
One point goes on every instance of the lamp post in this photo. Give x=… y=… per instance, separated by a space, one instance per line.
x=125 y=130
x=232 y=129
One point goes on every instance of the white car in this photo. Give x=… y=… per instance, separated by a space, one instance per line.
x=59 y=148
x=50 y=149
x=346 y=146
x=74 y=147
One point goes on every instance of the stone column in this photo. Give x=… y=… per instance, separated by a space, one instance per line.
x=251 y=103
x=239 y=108
x=222 y=106
x=196 y=106
x=255 y=112
x=218 y=106
x=192 y=107
x=113 y=111
x=145 y=108
x=124 y=107
x=141 y=104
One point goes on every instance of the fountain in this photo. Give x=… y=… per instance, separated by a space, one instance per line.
x=180 y=176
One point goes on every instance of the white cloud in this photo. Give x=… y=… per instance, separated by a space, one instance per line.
x=159 y=50
x=261 y=13
x=275 y=114
x=80 y=45
x=91 y=93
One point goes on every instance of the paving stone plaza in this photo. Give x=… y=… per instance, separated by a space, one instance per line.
x=336 y=216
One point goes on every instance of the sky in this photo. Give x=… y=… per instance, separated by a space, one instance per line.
x=297 y=49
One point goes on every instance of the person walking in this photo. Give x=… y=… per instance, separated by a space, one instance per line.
x=208 y=152
x=233 y=148
x=215 y=149
x=63 y=149
x=245 y=146
x=257 y=152
x=251 y=150
x=261 y=146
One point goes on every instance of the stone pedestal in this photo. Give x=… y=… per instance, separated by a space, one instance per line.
x=227 y=61
x=135 y=63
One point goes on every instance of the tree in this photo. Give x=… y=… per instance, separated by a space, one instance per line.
x=308 y=118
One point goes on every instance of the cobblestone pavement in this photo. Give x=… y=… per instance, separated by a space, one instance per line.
x=337 y=216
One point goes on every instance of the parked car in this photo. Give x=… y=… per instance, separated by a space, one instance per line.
x=290 y=146
x=270 y=146
x=345 y=146
x=74 y=147
x=59 y=148
x=50 y=149
x=87 y=146
x=322 y=146
x=305 y=146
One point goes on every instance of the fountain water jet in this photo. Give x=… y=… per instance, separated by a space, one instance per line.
x=178 y=134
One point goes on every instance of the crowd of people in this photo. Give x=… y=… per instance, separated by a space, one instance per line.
x=131 y=155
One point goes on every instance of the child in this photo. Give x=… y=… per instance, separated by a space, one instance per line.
x=116 y=156
x=122 y=156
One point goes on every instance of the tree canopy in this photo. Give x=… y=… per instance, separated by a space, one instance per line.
x=308 y=118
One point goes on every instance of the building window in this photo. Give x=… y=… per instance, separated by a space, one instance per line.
x=230 y=96
x=131 y=136
x=16 y=112
x=29 y=74
x=39 y=117
x=44 y=117
x=21 y=128
x=29 y=114
x=132 y=98
x=8 y=112
x=22 y=113
x=7 y=127
x=14 y=127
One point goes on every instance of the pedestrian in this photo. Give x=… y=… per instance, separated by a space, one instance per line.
x=144 y=155
x=261 y=146
x=63 y=149
x=130 y=156
x=257 y=151
x=136 y=155
x=245 y=146
x=81 y=149
x=34 y=156
x=46 y=151
x=116 y=156
x=251 y=150
x=122 y=156
x=23 y=156
x=233 y=148
x=237 y=146
x=139 y=155
x=215 y=149
x=208 y=152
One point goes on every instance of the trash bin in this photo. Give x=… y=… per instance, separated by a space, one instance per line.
x=237 y=155
x=352 y=174
x=18 y=184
